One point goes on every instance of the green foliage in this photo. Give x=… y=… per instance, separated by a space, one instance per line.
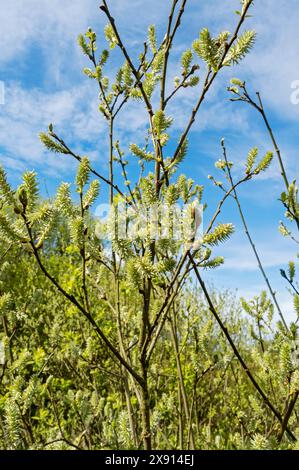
x=83 y=174
x=110 y=36
x=6 y=192
x=186 y=61
x=265 y=163
x=206 y=48
x=215 y=51
x=221 y=233
x=63 y=199
x=142 y=154
x=239 y=50
x=91 y=194
x=51 y=145
x=251 y=159
x=90 y=325
x=152 y=38
x=83 y=45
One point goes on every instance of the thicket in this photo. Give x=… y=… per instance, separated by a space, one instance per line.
x=120 y=344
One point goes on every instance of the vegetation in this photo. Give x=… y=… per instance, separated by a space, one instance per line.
x=113 y=342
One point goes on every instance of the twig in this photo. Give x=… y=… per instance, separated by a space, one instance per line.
x=74 y=301
x=236 y=351
x=252 y=244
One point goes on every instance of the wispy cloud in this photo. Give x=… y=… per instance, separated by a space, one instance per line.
x=41 y=65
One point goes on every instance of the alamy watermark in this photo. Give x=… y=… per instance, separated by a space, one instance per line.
x=295 y=353
x=181 y=223
x=2 y=93
x=2 y=353
x=295 y=93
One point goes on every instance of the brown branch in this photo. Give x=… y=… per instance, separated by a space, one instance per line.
x=94 y=172
x=236 y=351
x=288 y=415
x=209 y=81
x=252 y=244
x=74 y=301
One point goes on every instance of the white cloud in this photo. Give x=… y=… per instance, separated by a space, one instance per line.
x=75 y=115
x=41 y=22
x=27 y=112
x=48 y=30
x=71 y=103
x=240 y=257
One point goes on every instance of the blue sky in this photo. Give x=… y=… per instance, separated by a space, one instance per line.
x=41 y=67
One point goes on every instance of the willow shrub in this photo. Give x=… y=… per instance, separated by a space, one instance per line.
x=107 y=343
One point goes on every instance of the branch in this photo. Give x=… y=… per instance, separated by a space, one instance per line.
x=288 y=415
x=259 y=106
x=105 y=9
x=209 y=81
x=74 y=301
x=235 y=195
x=181 y=85
x=168 y=41
x=236 y=351
x=101 y=177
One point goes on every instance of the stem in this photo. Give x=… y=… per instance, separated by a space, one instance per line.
x=74 y=301
x=83 y=255
x=252 y=244
x=168 y=42
x=105 y=9
x=130 y=410
x=145 y=409
x=181 y=379
x=236 y=351
x=92 y=170
x=209 y=81
x=6 y=332
x=277 y=150
x=260 y=108
x=111 y=175
x=288 y=415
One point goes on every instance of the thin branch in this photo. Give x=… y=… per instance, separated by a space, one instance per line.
x=210 y=78
x=74 y=301
x=288 y=415
x=71 y=444
x=101 y=177
x=168 y=43
x=105 y=9
x=179 y=87
x=252 y=244
x=236 y=351
x=259 y=106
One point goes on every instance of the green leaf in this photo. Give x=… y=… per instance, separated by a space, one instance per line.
x=291 y=270
x=110 y=36
x=186 y=61
x=51 y=144
x=251 y=159
x=241 y=48
x=91 y=194
x=142 y=154
x=237 y=82
x=221 y=233
x=265 y=163
x=82 y=43
x=31 y=187
x=206 y=48
x=161 y=122
x=83 y=173
x=152 y=39
x=6 y=191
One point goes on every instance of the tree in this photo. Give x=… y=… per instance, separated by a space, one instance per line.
x=127 y=292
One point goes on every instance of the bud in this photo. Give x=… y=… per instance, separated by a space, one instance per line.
x=23 y=198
